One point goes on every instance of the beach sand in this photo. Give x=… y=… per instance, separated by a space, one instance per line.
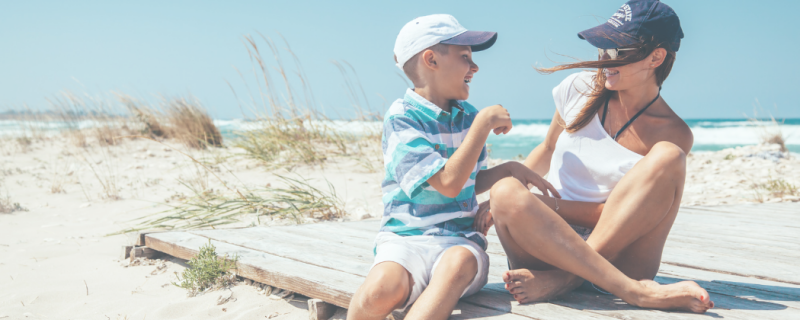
x=56 y=261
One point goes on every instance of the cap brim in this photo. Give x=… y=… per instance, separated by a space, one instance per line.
x=605 y=36
x=478 y=40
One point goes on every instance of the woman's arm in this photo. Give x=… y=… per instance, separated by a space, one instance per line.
x=539 y=159
x=584 y=214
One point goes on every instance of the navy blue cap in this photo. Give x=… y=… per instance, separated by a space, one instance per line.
x=635 y=21
x=478 y=40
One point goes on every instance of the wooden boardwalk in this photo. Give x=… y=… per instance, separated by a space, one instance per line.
x=746 y=256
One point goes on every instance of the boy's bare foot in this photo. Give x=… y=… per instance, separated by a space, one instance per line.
x=531 y=285
x=686 y=296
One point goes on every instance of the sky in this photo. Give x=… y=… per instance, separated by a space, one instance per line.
x=736 y=55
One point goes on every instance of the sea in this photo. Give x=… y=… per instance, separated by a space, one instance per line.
x=709 y=134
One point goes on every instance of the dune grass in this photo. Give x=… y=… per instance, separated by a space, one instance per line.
x=775 y=188
x=297 y=200
x=770 y=129
x=288 y=127
x=6 y=204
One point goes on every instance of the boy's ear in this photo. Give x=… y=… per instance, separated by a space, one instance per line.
x=429 y=59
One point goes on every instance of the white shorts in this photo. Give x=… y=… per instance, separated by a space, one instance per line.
x=421 y=254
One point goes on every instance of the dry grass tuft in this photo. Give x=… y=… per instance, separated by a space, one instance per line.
x=775 y=188
x=191 y=124
x=145 y=116
x=771 y=132
x=8 y=206
x=182 y=119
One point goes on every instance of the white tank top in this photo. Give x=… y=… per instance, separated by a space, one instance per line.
x=588 y=163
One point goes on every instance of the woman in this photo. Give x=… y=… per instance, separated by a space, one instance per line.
x=616 y=153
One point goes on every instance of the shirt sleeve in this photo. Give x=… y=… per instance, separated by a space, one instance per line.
x=566 y=92
x=410 y=156
x=561 y=93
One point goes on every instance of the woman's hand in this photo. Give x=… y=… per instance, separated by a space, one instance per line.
x=483 y=219
x=529 y=178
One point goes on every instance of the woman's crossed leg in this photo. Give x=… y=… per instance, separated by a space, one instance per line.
x=630 y=232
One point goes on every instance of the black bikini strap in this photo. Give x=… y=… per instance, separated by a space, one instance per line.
x=605 y=111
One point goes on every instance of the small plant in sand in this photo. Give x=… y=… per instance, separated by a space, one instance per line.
x=207 y=272
x=776 y=188
x=8 y=206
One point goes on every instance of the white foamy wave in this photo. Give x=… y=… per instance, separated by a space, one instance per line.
x=529 y=130
x=744 y=134
x=343 y=126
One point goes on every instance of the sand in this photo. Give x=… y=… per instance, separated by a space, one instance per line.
x=56 y=261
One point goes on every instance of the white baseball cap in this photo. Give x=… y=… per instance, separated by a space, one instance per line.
x=425 y=32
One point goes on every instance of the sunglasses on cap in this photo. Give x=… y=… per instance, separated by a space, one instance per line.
x=613 y=53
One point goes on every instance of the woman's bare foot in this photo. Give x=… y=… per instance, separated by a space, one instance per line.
x=531 y=285
x=686 y=295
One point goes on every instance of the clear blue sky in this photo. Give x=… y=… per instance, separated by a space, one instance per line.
x=734 y=52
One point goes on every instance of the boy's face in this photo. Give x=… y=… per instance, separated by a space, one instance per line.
x=456 y=69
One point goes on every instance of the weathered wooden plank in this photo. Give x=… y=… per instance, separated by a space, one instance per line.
x=344 y=229
x=728 y=263
x=608 y=306
x=739 y=249
x=143 y=252
x=283 y=243
x=717 y=217
x=791 y=291
x=765 y=210
x=776 y=235
x=732 y=239
x=786 y=207
x=329 y=285
x=502 y=301
x=320 y=310
x=464 y=310
x=702 y=237
x=126 y=252
x=770 y=300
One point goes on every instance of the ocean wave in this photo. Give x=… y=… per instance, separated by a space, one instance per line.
x=706 y=132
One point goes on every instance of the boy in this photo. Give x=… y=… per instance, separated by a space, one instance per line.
x=433 y=145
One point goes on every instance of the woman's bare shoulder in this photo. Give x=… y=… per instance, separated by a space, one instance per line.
x=673 y=129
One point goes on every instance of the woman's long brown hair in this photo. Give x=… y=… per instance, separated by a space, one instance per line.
x=599 y=93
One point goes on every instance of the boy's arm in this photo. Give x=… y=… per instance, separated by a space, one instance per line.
x=487 y=178
x=451 y=178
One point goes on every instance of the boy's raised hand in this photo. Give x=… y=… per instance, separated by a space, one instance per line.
x=495 y=118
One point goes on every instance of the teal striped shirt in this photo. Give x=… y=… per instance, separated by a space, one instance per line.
x=418 y=138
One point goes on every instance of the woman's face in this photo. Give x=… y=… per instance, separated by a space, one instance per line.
x=632 y=74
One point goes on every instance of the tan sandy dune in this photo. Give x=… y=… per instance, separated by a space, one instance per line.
x=57 y=263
